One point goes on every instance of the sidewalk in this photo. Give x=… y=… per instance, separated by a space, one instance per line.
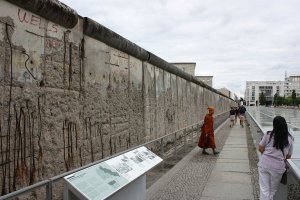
x=209 y=177
x=230 y=178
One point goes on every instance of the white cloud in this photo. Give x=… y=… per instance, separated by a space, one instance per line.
x=232 y=40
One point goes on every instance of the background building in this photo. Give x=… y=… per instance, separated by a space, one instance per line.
x=225 y=91
x=270 y=88
x=189 y=67
x=186 y=67
x=228 y=93
x=292 y=83
x=208 y=80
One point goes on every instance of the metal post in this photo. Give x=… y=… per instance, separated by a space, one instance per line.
x=162 y=152
x=49 y=191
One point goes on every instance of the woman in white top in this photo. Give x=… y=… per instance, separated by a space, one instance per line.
x=275 y=146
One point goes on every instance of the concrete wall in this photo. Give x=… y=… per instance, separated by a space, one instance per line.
x=73 y=92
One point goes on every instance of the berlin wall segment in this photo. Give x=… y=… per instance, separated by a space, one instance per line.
x=69 y=99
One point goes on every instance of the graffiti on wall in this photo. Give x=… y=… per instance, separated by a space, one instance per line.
x=34 y=20
x=113 y=119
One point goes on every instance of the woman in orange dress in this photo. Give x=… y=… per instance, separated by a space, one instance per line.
x=207 y=137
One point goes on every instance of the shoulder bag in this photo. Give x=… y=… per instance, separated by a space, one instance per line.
x=284 y=175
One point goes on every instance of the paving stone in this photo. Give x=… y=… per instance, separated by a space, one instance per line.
x=226 y=160
x=232 y=167
x=234 y=177
x=234 y=154
x=233 y=190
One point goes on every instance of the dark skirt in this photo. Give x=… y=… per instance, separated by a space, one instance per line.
x=207 y=141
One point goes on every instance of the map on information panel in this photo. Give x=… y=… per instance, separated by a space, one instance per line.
x=103 y=179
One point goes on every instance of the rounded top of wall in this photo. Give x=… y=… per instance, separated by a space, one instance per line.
x=101 y=33
x=52 y=10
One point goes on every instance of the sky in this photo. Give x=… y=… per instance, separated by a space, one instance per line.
x=232 y=40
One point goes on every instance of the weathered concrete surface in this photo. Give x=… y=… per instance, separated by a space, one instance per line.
x=68 y=99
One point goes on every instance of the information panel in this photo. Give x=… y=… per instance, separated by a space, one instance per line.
x=104 y=179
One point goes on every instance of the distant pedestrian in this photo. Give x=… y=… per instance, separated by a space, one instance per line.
x=207 y=137
x=236 y=114
x=232 y=116
x=276 y=146
x=242 y=114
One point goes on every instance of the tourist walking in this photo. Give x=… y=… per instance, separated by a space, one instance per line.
x=232 y=116
x=207 y=137
x=236 y=114
x=242 y=113
x=276 y=146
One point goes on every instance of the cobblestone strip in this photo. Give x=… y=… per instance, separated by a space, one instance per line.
x=253 y=160
x=189 y=181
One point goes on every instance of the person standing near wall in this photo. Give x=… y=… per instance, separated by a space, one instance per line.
x=207 y=137
x=276 y=146
x=236 y=114
x=232 y=116
x=242 y=113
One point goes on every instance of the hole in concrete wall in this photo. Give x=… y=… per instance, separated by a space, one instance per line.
x=42 y=83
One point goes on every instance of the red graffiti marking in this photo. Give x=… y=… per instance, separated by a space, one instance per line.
x=52 y=43
x=54 y=28
x=34 y=20
x=24 y=17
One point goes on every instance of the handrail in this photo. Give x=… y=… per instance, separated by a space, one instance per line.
x=48 y=183
x=25 y=190
x=256 y=122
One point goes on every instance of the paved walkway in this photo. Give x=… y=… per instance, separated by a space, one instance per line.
x=209 y=177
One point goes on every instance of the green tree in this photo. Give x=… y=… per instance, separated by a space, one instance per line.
x=262 y=99
x=275 y=99
x=294 y=97
x=280 y=100
x=288 y=101
x=284 y=100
